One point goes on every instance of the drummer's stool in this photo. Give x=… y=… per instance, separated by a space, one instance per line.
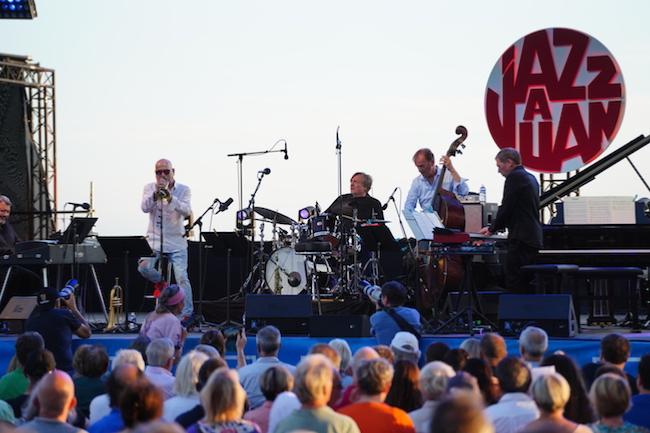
x=313 y=250
x=599 y=291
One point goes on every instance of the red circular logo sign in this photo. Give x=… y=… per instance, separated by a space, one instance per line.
x=556 y=95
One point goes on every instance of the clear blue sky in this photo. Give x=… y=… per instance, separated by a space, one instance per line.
x=194 y=81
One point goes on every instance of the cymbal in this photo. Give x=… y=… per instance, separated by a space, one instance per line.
x=274 y=216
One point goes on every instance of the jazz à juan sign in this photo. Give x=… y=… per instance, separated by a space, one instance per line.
x=557 y=95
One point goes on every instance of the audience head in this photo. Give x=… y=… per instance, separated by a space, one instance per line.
x=128 y=356
x=643 y=377
x=493 y=348
x=208 y=367
x=434 y=378
x=90 y=360
x=343 y=348
x=578 y=409
x=187 y=373
x=329 y=352
x=551 y=392
x=27 y=343
x=533 y=343
x=275 y=380
x=615 y=349
x=140 y=344
x=119 y=379
x=208 y=350
x=405 y=346
x=514 y=375
x=374 y=377
x=393 y=293
x=472 y=346
x=463 y=381
x=223 y=398
x=55 y=396
x=456 y=359
x=141 y=402
x=268 y=340
x=363 y=354
x=610 y=394
x=160 y=353
x=460 y=412
x=405 y=388
x=485 y=378
x=214 y=338
x=385 y=352
x=171 y=300
x=39 y=362
x=436 y=351
x=313 y=380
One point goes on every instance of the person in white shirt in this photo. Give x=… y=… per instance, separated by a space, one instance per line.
x=160 y=360
x=515 y=408
x=533 y=343
x=434 y=378
x=168 y=203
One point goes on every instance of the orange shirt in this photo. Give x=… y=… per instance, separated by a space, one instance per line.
x=379 y=418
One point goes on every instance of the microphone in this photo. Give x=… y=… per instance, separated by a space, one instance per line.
x=84 y=206
x=286 y=154
x=338 y=142
x=389 y=198
x=265 y=171
x=223 y=206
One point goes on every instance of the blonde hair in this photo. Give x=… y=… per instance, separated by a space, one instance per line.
x=551 y=392
x=187 y=373
x=313 y=379
x=610 y=395
x=223 y=397
x=128 y=356
x=434 y=378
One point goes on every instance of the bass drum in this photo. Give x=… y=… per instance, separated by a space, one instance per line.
x=285 y=272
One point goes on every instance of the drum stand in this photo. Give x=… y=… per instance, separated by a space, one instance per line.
x=314 y=256
x=374 y=264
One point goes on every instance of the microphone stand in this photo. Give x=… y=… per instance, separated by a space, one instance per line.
x=251 y=206
x=401 y=224
x=338 y=155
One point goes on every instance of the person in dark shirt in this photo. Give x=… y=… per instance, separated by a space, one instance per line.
x=8 y=236
x=614 y=351
x=367 y=207
x=57 y=325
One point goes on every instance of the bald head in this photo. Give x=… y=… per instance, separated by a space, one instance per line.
x=164 y=172
x=55 y=395
x=364 y=354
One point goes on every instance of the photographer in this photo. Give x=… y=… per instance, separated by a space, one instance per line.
x=392 y=316
x=57 y=318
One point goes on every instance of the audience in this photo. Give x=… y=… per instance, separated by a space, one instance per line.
x=405 y=390
x=434 y=377
x=460 y=412
x=90 y=363
x=140 y=402
x=487 y=383
x=385 y=352
x=195 y=414
x=472 y=346
x=223 y=399
x=214 y=338
x=533 y=343
x=456 y=359
x=405 y=346
x=273 y=382
x=350 y=393
x=611 y=396
x=208 y=350
x=163 y=321
x=578 y=409
x=15 y=382
x=186 y=395
x=345 y=353
x=551 y=393
x=639 y=414
x=54 y=399
x=160 y=360
x=436 y=351
x=267 y=341
x=614 y=350
x=493 y=349
x=313 y=386
x=515 y=408
x=39 y=363
x=121 y=376
x=370 y=412
x=140 y=344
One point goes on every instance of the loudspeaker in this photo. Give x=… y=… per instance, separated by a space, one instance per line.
x=489 y=303
x=339 y=326
x=552 y=313
x=16 y=313
x=289 y=313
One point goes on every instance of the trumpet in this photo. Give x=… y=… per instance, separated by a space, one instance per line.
x=116 y=305
x=163 y=193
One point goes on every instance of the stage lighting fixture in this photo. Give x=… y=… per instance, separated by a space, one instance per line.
x=17 y=9
x=244 y=214
x=306 y=213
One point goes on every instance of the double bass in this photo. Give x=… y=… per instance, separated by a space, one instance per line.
x=444 y=273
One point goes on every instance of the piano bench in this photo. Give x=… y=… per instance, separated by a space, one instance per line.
x=602 y=296
x=551 y=278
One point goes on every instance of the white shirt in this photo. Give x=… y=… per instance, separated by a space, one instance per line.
x=421 y=191
x=283 y=406
x=422 y=417
x=174 y=214
x=512 y=413
x=99 y=407
x=178 y=405
x=162 y=378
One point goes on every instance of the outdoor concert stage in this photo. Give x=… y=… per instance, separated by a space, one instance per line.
x=583 y=349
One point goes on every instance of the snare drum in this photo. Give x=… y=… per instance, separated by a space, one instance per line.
x=322 y=227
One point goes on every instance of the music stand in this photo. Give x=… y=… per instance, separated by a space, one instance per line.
x=228 y=245
x=125 y=247
x=77 y=230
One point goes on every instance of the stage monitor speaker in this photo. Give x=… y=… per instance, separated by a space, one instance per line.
x=340 y=326
x=289 y=313
x=16 y=313
x=552 y=313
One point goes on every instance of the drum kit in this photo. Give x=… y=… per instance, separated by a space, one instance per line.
x=320 y=254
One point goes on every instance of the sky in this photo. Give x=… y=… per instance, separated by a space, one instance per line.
x=194 y=81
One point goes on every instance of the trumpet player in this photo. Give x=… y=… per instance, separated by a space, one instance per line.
x=168 y=204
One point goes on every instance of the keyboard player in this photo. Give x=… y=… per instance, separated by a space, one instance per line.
x=8 y=236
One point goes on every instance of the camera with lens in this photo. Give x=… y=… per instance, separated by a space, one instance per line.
x=372 y=291
x=68 y=289
x=230 y=333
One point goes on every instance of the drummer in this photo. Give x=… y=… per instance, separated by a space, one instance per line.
x=367 y=207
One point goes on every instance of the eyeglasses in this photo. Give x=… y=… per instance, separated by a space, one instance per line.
x=165 y=172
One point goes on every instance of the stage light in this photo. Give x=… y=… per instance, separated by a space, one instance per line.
x=306 y=213
x=18 y=9
x=244 y=214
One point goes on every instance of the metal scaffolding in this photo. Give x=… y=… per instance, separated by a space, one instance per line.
x=547 y=182
x=38 y=83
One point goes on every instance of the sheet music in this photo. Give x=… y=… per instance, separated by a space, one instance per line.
x=599 y=210
x=423 y=223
